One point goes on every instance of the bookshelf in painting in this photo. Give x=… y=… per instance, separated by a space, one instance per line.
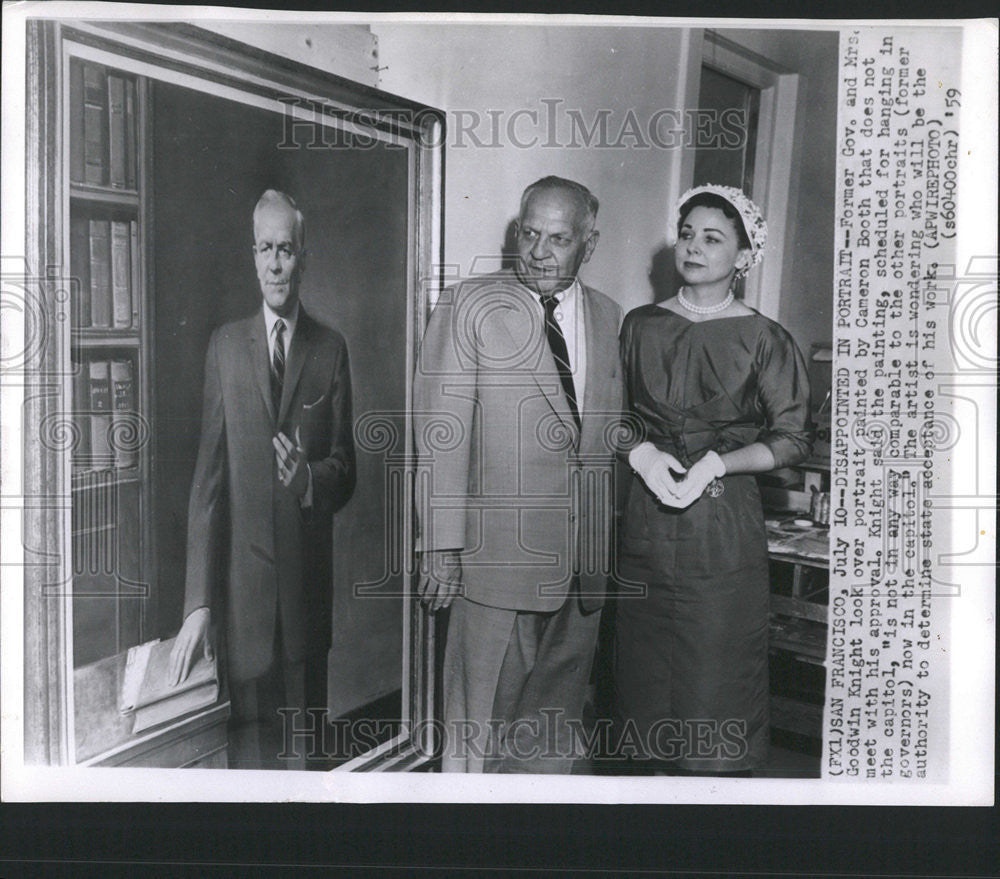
x=109 y=355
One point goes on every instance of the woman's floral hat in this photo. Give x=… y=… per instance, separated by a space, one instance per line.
x=753 y=221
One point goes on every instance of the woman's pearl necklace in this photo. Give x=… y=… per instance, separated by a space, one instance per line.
x=704 y=309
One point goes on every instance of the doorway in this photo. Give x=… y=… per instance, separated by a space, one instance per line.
x=754 y=101
x=734 y=108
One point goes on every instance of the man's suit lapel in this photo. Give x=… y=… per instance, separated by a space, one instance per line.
x=261 y=361
x=602 y=348
x=296 y=361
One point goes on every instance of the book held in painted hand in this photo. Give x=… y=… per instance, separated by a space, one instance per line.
x=146 y=690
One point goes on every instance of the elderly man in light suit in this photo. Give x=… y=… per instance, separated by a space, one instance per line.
x=275 y=462
x=517 y=395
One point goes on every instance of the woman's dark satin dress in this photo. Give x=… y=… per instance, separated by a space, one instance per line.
x=691 y=651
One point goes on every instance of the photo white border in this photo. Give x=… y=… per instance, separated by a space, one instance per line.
x=973 y=620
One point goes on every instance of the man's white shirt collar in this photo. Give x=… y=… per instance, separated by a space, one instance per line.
x=270 y=319
x=573 y=291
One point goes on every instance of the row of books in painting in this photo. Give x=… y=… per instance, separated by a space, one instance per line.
x=108 y=431
x=103 y=114
x=104 y=261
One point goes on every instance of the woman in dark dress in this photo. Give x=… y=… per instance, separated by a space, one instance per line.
x=723 y=394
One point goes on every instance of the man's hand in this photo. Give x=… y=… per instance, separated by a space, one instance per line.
x=293 y=469
x=193 y=633
x=654 y=467
x=440 y=578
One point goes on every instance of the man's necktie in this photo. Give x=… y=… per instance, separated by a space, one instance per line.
x=557 y=342
x=278 y=363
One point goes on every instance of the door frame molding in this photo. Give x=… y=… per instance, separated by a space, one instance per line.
x=775 y=173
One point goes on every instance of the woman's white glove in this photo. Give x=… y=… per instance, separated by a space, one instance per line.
x=654 y=467
x=704 y=471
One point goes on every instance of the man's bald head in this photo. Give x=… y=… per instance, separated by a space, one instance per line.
x=586 y=200
x=274 y=201
x=279 y=235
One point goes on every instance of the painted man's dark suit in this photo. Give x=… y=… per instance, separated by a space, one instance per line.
x=259 y=560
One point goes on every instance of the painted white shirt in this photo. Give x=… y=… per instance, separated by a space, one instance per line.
x=270 y=319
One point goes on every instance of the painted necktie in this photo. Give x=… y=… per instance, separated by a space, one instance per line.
x=278 y=364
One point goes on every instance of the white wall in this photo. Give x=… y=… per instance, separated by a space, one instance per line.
x=499 y=68
x=349 y=50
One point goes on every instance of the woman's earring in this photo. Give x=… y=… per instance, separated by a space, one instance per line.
x=742 y=270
